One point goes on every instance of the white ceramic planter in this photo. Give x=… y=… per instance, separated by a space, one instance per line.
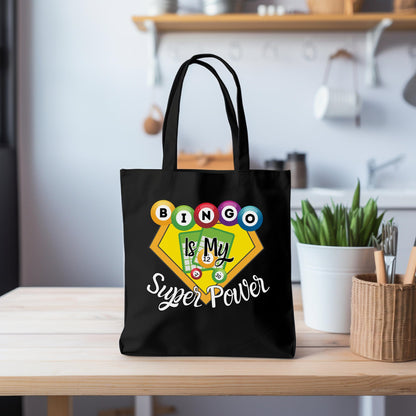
x=326 y=280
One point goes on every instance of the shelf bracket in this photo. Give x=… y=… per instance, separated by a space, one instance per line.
x=373 y=36
x=153 y=76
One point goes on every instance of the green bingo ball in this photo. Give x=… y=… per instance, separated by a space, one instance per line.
x=219 y=275
x=183 y=217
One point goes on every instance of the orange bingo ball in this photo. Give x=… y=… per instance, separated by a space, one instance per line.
x=161 y=212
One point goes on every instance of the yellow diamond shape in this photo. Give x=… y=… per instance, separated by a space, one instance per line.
x=246 y=245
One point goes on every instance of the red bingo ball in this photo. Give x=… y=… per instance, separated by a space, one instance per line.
x=206 y=215
x=196 y=273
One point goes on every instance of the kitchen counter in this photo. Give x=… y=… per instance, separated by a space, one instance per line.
x=387 y=198
x=62 y=342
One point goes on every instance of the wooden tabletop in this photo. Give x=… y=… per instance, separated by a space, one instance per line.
x=64 y=341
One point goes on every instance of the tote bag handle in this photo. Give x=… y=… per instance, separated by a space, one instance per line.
x=172 y=114
x=228 y=106
x=170 y=126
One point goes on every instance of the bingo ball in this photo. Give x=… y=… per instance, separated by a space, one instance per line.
x=161 y=212
x=206 y=215
x=206 y=260
x=219 y=275
x=196 y=273
x=250 y=218
x=183 y=217
x=228 y=211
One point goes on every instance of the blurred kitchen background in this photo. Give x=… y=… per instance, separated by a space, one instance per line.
x=83 y=96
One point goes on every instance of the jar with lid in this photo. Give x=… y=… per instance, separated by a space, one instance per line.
x=274 y=164
x=296 y=163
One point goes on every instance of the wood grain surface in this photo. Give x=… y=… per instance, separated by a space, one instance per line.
x=253 y=22
x=64 y=341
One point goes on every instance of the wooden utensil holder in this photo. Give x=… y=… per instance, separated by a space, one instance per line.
x=383 y=319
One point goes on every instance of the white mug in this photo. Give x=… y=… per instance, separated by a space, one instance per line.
x=336 y=103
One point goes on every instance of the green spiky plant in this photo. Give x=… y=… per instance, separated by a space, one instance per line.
x=339 y=226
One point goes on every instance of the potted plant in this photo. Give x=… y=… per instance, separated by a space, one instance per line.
x=332 y=248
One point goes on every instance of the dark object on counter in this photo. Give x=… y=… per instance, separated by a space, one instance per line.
x=296 y=163
x=274 y=164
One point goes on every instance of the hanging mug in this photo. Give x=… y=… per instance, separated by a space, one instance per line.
x=336 y=103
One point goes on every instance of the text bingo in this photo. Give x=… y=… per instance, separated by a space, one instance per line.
x=207 y=215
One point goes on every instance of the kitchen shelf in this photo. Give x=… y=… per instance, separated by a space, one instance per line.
x=256 y=23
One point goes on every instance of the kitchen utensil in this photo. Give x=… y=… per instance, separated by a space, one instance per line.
x=389 y=233
x=409 y=91
x=379 y=260
x=338 y=103
x=409 y=276
x=152 y=125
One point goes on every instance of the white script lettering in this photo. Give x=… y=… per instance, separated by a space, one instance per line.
x=174 y=296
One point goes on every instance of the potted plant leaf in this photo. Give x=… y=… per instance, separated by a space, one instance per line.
x=332 y=248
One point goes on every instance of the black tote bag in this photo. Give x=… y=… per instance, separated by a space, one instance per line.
x=207 y=253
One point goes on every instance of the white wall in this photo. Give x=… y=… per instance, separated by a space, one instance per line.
x=83 y=97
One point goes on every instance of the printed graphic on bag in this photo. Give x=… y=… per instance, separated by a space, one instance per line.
x=206 y=247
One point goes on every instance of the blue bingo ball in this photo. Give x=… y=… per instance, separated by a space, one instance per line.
x=250 y=218
x=183 y=217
